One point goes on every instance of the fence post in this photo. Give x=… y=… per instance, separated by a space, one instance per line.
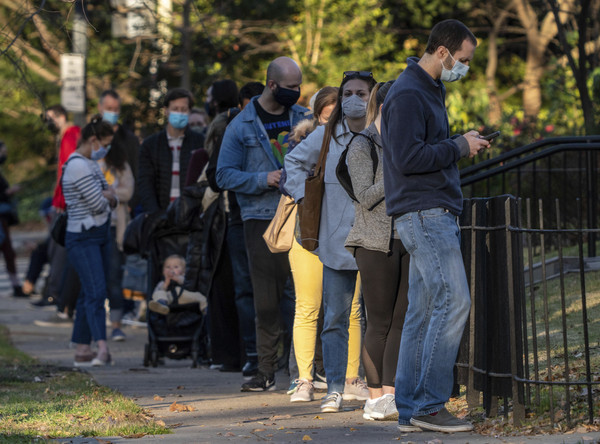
x=518 y=406
x=472 y=393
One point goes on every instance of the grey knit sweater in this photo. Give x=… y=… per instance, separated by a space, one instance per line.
x=372 y=227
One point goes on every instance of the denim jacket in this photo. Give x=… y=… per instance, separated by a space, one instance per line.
x=245 y=160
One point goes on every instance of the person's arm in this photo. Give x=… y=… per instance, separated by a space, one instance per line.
x=90 y=189
x=360 y=167
x=405 y=134
x=301 y=161
x=68 y=145
x=124 y=191
x=230 y=173
x=197 y=162
x=146 y=176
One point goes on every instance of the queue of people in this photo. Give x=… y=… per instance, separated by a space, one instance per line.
x=388 y=260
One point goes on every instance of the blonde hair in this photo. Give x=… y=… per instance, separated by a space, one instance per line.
x=376 y=99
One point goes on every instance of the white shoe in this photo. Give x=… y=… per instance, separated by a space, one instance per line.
x=384 y=409
x=331 y=403
x=369 y=408
x=304 y=391
x=357 y=389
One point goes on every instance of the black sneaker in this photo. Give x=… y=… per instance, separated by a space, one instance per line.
x=18 y=292
x=259 y=383
x=442 y=421
x=44 y=302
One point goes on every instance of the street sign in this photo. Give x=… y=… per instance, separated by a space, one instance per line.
x=134 y=23
x=72 y=77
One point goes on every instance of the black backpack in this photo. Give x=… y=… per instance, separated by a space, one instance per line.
x=341 y=170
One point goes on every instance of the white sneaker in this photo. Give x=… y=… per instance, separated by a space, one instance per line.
x=369 y=408
x=331 y=403
x=304 y=391
x=384 y=409
x=357 y=389
x=320 y=382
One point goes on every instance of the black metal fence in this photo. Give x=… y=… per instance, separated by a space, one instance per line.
x=533 y=337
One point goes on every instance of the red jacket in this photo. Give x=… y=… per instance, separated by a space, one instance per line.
x=68 y=144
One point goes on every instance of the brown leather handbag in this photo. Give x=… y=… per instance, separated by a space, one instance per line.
x=309 y=208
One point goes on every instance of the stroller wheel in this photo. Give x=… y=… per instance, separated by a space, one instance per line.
x=146 y=355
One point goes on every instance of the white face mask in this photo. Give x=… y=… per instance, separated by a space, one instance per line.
x=354 y=107
x=458 y=71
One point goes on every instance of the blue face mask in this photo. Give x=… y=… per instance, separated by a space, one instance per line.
x=100 y=153
x=110 y=117
x=458 y=71
x=178 y=120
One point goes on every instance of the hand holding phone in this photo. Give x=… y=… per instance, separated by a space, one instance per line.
x=490 y=136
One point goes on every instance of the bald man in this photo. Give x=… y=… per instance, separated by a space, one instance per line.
x=250 y=164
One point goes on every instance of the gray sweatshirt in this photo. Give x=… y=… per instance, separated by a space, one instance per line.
x=372 y=227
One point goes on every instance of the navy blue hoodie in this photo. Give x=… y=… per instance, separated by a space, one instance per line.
x=419 y=157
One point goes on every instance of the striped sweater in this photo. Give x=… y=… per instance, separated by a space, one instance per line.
x=83 y=182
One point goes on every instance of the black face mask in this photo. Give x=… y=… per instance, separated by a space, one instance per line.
x=52 y=126
x=286 y=97
x=2 y=158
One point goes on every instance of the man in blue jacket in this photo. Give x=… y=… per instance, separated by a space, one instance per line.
x=250 y=164
x=422 y=193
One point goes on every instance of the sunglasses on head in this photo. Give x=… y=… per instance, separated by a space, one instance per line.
x=367 y=74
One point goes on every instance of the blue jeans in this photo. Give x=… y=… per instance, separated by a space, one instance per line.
x=89 y=252
x=242 y=283
x=438 y=307
x=338 y=291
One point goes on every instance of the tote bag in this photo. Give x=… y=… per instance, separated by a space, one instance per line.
x=309 y=209
x=280 y=232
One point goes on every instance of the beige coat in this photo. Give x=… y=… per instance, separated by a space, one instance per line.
x=124 y=189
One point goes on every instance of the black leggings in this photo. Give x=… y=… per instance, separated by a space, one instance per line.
x=385 y=288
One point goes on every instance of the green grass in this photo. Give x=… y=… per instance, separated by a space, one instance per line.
x=552 y=354
x=38 y=400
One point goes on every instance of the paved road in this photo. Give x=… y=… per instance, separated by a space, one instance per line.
x=222 y=413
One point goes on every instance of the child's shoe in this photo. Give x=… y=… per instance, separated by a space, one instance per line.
x=159 y=306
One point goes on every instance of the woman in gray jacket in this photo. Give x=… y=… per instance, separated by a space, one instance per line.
x=382 y=261
x=337 y=215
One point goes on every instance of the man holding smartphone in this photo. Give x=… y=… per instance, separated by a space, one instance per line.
x=422 y=193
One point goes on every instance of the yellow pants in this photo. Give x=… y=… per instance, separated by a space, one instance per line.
x=307 y=271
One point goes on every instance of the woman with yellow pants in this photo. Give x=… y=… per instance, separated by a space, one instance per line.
x=307 y=270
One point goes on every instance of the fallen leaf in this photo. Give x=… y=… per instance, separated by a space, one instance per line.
x=281 y=428
x=180 y=387
x=258 y=430
x=180 y=407
x=135 y=435
x=276 y=417
x=229 y=434
x=317 y=417
x=306 y=438
x=161 y=423
x=158 y=398
x=103 y=441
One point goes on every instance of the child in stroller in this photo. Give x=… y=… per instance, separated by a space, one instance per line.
x=177 y=330
x=170 y=289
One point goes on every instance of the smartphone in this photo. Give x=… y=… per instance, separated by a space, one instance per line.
x=491 y=135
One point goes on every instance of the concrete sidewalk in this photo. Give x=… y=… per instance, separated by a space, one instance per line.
x=222 y=413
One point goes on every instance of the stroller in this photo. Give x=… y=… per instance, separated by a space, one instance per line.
x=181 y=333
